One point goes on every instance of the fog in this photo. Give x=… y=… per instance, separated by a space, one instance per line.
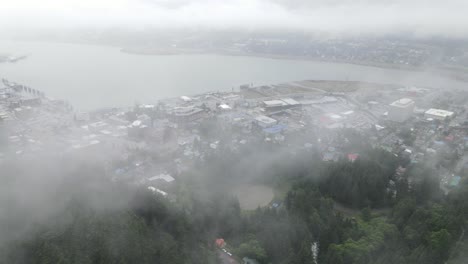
x=417 y=17
x=235 y=131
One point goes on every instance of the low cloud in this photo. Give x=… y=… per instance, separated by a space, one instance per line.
x=430 y=17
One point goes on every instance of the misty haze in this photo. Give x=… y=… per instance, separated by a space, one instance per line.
x=233 y=132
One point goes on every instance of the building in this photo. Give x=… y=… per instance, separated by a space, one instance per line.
x=187 y=114
x=401 y=110
x=166 y=177
x=281 y=104
x=156 y=190
x=438 y=114
x=275 y=104
x=353 y=157
x=220 y=243
x=265 y=121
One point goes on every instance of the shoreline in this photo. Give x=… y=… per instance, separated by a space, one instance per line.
x=163 y=52
x=454 y=72
x=457 y=73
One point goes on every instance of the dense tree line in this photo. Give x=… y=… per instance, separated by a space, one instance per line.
x=416 y=224
x=114 y=223
x=122 y=236
x=90 y=219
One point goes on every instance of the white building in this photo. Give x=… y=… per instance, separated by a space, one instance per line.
x=438 y=114
x=401 y=110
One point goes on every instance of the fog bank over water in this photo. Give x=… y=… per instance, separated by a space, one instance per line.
x=99 y=76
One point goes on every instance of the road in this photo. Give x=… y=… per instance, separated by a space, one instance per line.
x=224 y=258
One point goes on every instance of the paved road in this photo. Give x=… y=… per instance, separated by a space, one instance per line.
x=224 y=258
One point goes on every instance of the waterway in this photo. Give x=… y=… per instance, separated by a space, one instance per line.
x=91 y=76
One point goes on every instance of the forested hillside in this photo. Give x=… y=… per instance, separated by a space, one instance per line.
x=350 y=211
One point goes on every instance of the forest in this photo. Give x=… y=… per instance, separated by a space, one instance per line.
x=348 y=211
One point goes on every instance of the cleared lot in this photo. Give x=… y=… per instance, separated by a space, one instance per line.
x=252 y=196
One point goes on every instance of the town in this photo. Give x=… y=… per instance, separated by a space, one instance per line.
x=416 y=123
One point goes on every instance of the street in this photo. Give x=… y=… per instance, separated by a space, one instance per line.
x=225 y=258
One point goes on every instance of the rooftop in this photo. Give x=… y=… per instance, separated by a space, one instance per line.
x=439 y=112
x=273 y=103
x=282 y=102
x=166 y=177
x=275 y=129
x=224 y=106
x=403 y=102
x=265 y=119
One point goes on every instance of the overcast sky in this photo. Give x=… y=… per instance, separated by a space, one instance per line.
x=433 y=17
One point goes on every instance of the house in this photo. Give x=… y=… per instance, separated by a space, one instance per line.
x=353 y=157
x=220 y=243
